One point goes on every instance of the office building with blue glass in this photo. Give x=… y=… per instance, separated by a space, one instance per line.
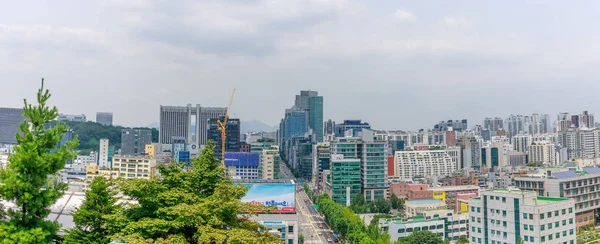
x=242 y=165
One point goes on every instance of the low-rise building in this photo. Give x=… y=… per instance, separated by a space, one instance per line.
x=582 y=186
x=418 y=207
x=283 y=226
x=422 y=163
x=449 y=194
x=399 y=228
x=506 y=216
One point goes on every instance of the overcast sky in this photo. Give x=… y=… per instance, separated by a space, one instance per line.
x=395 y=64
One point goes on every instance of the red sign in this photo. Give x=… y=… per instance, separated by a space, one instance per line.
x=420 y=148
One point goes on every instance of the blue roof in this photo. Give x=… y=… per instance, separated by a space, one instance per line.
x=564 y=174
x=592 y=170
x=424 y=201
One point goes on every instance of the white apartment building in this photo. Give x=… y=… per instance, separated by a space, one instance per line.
x=589 y=143
x=521 y=142
x=542 y=151
x=503 y=216
x=103 y=157
x=425 y=163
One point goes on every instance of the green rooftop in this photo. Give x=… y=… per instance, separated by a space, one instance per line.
x=549 y=200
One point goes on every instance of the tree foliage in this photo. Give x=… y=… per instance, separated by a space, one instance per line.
x=90 y=133
x=422 y=237
x=348 y=224
x=462 y=240
x=381 y=205
x=27 y=180
x=90 y=226
x=196 y=205
x=397 y=203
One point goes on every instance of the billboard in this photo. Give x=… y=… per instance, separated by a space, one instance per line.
x=242 y=159
x=281 y=195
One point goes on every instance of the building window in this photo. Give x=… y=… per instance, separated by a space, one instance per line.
x=291 y=229
x=503 y=199
x=525 y=215
x=564 y=211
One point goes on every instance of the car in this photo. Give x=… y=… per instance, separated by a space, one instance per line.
x=329 y=240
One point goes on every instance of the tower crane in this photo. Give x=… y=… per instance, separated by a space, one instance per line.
x=223 y=128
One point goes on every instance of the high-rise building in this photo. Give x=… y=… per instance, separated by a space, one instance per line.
x=571 y=140
x=232 y=143
x=134 y=141
x=457 y=125
x=521 y=143
x=563 y=122
x=373 y=158
x=188 y=122
x=70 y=117
x=103 y=151
x=104 y=118
x=345 y=179
x=507 y=216
x=351 y=128
x=542 y=152
x=586 y=120
x=295 y=123
x=329 y=127
x=471 y=152
x=312 y=104
x=492 y=155
x=575 y=120
x=422 y=163
x=493 y=124
x=9 y=124
x=315 y=116
x=588 y=142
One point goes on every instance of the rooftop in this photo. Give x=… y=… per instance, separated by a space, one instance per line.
x=454 y=188
x=550 y=200
x=424 y=201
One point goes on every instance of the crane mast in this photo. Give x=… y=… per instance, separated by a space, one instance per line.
x=223 y=128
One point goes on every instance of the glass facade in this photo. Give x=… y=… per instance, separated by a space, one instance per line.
x=315 y=116
x=345 y=174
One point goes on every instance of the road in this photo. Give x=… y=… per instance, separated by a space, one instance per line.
x=312 y=225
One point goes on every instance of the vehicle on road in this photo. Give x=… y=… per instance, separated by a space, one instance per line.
x=321 y=226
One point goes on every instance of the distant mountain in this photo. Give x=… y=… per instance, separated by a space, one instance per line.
x=256 y=126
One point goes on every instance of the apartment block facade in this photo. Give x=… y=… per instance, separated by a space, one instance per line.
x=504 y=216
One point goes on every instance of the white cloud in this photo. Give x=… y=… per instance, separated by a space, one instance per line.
x=404 y=16
x=455 y=22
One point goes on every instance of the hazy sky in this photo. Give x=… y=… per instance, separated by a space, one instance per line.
x=395 y=64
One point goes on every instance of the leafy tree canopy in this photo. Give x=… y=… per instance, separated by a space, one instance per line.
x=27 y=180
x=196 y=205
x=90 y=225
x=422 y=237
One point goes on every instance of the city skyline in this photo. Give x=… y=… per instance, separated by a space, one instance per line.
x=457 y=60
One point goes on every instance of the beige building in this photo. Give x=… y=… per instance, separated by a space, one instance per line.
x=542 y=151
x=128 y=167
x=150 y=151
x=270 y=164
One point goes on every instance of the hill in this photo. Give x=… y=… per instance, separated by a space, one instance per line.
x=256 y=126
x=90 y=133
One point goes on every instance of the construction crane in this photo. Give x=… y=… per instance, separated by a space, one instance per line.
x=223 y=128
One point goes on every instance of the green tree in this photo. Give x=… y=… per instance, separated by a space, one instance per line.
x=359 y=204
x=27 y=180
x=462 y=240
x=396 y=202
x=520 y=241
x=90 y=226
x=196 y=205
x=422 y=237
x=301 y=239
x=381 y=205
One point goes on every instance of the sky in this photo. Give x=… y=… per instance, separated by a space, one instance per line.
x=395 y=64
